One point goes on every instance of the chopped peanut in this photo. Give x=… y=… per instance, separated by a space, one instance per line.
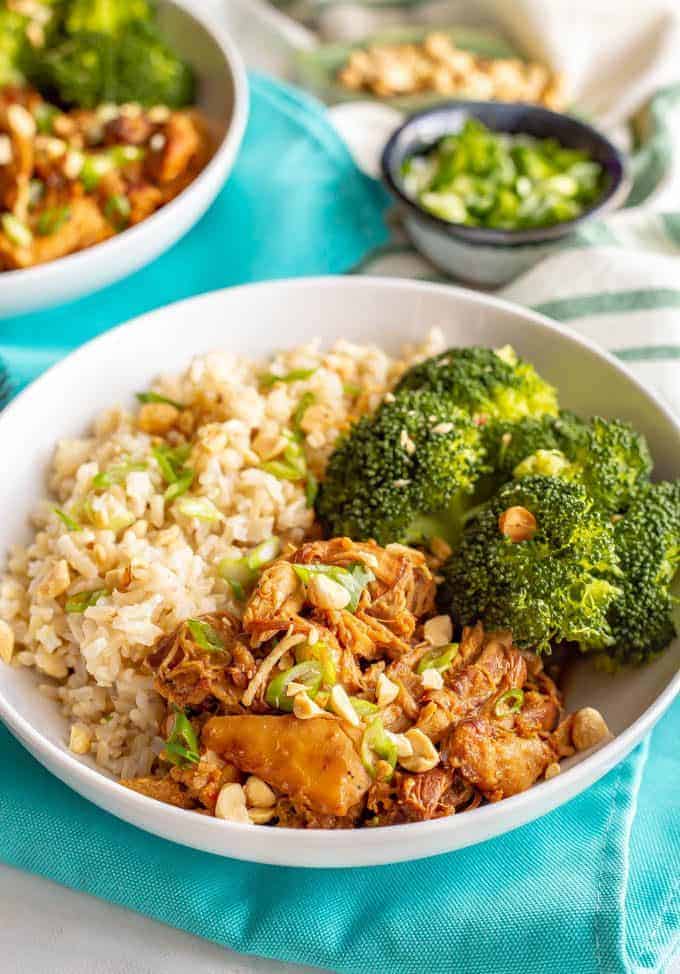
x=438 y=631
x=157 y=417
x=517 y=524
x=589 y=728
x=425 y=755
x=258 y=793
x=54 y=581
x=231 y=804
x=6 y=642
x=386 y=691
x=80 y=739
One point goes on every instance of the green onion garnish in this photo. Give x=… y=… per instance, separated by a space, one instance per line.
x=171 y=464
x=121 y=155
x=355 y=578
x=117 y=211
x=439 y=658
x=351 y=389
x=241 y=573
x=509 y=702
x=52 y=220
x=84 y=600
x=376 y=744
x=320 y=652
x=71 y=524
x=205 y=636
x=364 y=707
x=36 y=191
x=16 y=231
x=297 y=375
x=116 y=474
x=181 y=485
x=306 y=401
x=311 y=488
x=181 y=747
x=94 y=167
x=156 y=397
x=309 y=674
x=44 y=115
x=202 y=508
x=293 y=466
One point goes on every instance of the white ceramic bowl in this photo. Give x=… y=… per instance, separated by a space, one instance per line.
x=256 y=320
x=223 y=98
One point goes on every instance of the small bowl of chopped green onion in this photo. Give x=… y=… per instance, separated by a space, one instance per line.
x=488 y=189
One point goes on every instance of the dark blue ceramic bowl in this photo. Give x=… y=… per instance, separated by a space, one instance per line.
x=509 y=251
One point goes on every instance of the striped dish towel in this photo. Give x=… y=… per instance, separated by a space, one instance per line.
x=619 y=286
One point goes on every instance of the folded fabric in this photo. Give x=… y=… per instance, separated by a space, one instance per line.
x=591 y=887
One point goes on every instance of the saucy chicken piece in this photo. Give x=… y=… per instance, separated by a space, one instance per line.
x=180 y=141
x=190 y=676
x=314 y=762
x=388 y=610
x=497 y=761
x=498 y=667
x=162 y=790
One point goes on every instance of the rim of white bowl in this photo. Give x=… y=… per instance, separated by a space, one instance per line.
x=553 y=792
x=108 y=249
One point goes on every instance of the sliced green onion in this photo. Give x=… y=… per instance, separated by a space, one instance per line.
x=351 y=389
x=71 y=524
x=181 y=485
x=84 y=600
x=116 y=474
x=439 y=658
x=297 y=375
x=117 y=211
x=94 y=167
x=305 y=402
x=263 y=553
x=309 y=674
x=36 y=191
x=321 y=652
x=355 y=578
x=202 y=508
x=171 y=464
x=364 y=707
x=44 y=115
x=16 y=231
x=156 y=397
x=181 y=747
x=205 y=636
x=241 y=573
x=509 y=702
x=311 y=488
x=238 y=575
x=376 y=744
x=121 y=155
x=52 y=220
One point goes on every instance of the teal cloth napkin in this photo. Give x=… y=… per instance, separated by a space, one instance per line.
x=592 y=887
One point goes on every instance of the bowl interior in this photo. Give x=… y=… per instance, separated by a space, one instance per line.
x=255 y=321
x=192 y=40
x=424 y=129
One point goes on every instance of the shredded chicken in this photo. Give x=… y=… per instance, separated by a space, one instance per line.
x=360 y=728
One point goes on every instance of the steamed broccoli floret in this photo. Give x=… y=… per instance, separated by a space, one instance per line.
x=404 y=473
x=648 y=544
x=13 y=46
x=557 y=585
x=104 y=16
x=488 y=384
x=111 y=51
x=607 y=456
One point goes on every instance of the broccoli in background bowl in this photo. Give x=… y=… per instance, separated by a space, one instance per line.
x=89 y=52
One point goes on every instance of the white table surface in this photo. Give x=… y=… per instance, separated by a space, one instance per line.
x=47 y=929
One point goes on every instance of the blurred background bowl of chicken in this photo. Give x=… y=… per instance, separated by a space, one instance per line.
x=221 y=99
x=388 y=313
